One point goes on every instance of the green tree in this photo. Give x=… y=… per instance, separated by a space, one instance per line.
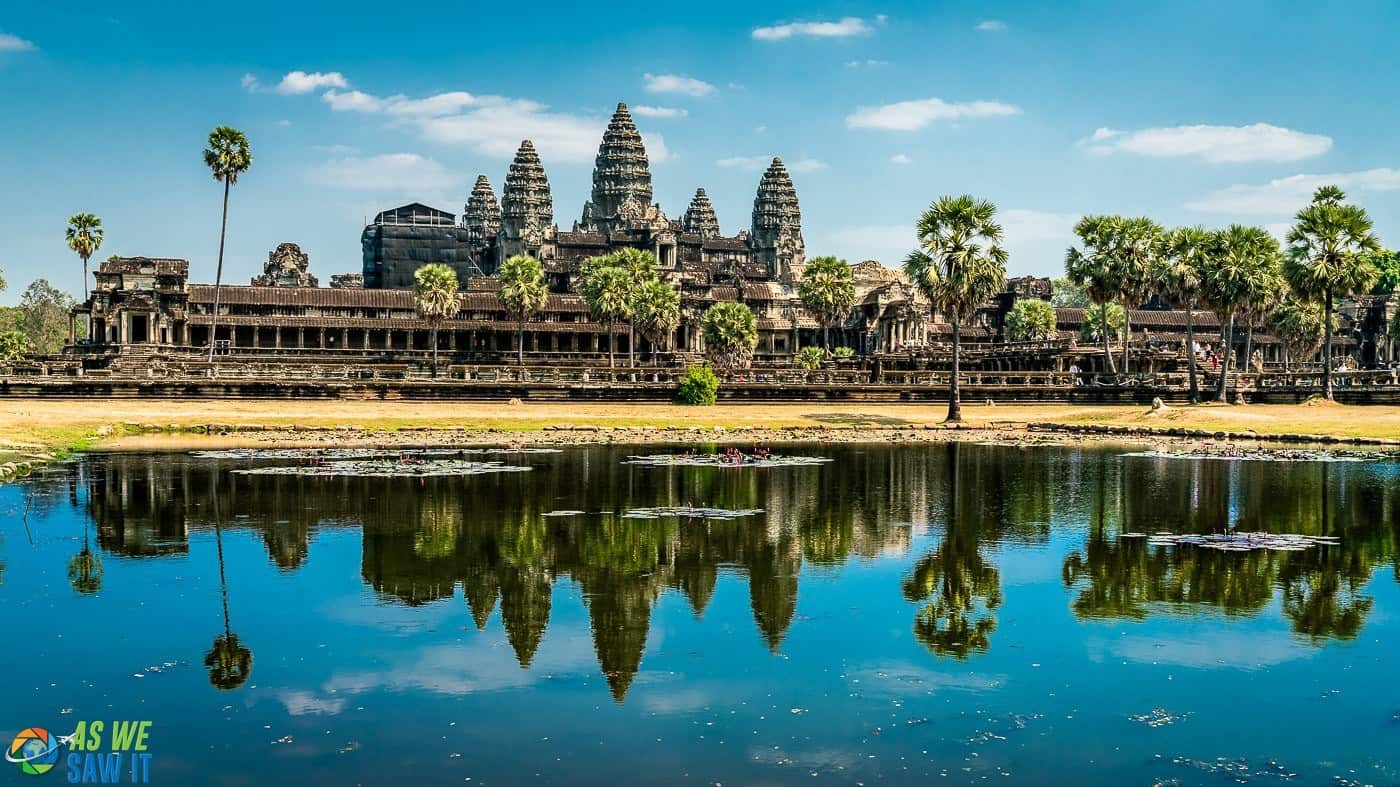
x=1242 y=261
x=435 y=298
x=84 y=237
x=730 y=332
x=1298 y=324
x=43 y=316
x=828 y=292
x=1102 y=318
x=810 y=358
x=1387 y=265
x=959 y=264
x=641 y=269
x=1091 y=268
x=227 y=157
x=1135 y=246
x=1030 y=318
x=524 y=293
x=14 y=345
x=1177 y=275
x=699 y=386
x=1327 y=258
x=1066 y=293
x=608 y=289
x=656 y=309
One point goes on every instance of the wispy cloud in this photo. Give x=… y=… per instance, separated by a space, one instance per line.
x=991 y=26
x=13 y=43
x=642 y=110
x=842 y=28
x=674 y=83
x=1283 y=196
x=1216 y=144
x=760 y=163
x=869 y=62
x=250 y=83
x=299 y=82
x=914 y=115
x=900 y=158
x=389 y=172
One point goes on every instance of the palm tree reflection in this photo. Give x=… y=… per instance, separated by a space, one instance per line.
x=229 y=661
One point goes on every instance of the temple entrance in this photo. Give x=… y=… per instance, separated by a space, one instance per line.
x=140 y=329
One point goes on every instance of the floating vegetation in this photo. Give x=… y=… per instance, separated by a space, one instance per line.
x=387 y=468
x=731 y=458
x=565 y=512
x=1238 y=542
x=690 y=512
x=313 y=454
x=1259 y=454
x=1238 y=769
x=1158 y=717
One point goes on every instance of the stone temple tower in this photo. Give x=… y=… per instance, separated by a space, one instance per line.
x=621 y=176
x=776 y=235
x=527 y=209
x=481 y=217
x=700 y=216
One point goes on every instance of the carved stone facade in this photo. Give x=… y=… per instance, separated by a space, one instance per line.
x=621 y=177
x=776 y=236
x=700 y=216
x=286 y=266
x=481 y=217
x=527 y=208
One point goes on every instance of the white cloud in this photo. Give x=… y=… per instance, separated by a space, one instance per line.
x=1034 y=239
x=389 y=172
x=433 y=106
x=866 y=63
x=352 y=101
x=673 y=83
x=991 y=26
x=250 y=83
x=283 y=123
x=845 y=27
x=900 y=158
x=11 y=43
x=495 y=129
x=760 y=163
x=298 y=82
x=914 y=115
x=657 y=151
x=1288 y=195
x=1021 y=225
x=642 y=110
x=1217 y=144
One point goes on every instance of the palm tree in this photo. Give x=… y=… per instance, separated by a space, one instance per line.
x=1242 y=259
x=1135 y=243
x=1092 y=269
x=435 y=298
x=959 y=264
x=1328 y=250
x=84 y=238
x=731 y=333
x=1177 y=275
x=85 y=568
x=657 y=313
x=641 y=268
x=828 y=292
x=608 y=289
x=523 y=292
x=230 y=663
x=227 y=157
x=1299 y=325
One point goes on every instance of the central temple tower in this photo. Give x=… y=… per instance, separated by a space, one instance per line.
x=776 y=235
x=621 y=176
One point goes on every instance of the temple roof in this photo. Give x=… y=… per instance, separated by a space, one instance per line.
x=775 y=205
x=700 y=217
x=526 y=200
x=160 y=266
x=481 y=217
x=620 y=172
x=416 y=213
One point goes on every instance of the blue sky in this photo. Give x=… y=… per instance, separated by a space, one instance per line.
x=1190 y=112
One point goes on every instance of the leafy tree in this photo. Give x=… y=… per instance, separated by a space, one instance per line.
x=730 y=332
x=657 y=312
x=1177 y=274
x=699 y=386
x=809 y=358
x=524 y=293
x=84 y=237
x=828 y=292
x=435 y=298
x=1066 y=293
x=1327 y=258
x=43 y=316
x=1135 y=246
x=959 y=264
x=608 y=289
x=1242 y=262
x=227 y=157
x=1091 y=269
x=1387 y=265
x=1101 y=317
x=1298 y=324
x=1030 y=318
x=14 y=345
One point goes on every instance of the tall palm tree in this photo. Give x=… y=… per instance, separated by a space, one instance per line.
x=828 y=292
x=1243 y=257
x=959 y=264
x=1177 y=275
x=435 y=298
x=608 y=289
x=657 y=313
x=230 y=663
x=641 y=268
x=524 y=293
x=1328 y=250
x=1092 y=268
x=730 y=331
x=227 y=157
x=84 y=237
x=1135 y=244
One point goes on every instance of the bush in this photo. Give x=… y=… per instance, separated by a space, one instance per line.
x=14 y=346
x=843 y=353
x=1030 y=319
x=700 y=386
x=810 y=358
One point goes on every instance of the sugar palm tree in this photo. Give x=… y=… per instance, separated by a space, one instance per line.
x=827 y=292
x=1260 y=299
x=1092 y=268
x=230 y=662
x=1327 y=258
x=1177 y=275
x=607 y=288
x=657 y=313
x=1242 y=258
x=1299 y=325
x=959 y=264
x=641 y=268
x=1135 y=245
x=435 y=298
x=227 y=157
x=84 y=237
x=523 y=292
x=731 y=333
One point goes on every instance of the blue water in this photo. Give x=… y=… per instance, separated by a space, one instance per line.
x=961 y=614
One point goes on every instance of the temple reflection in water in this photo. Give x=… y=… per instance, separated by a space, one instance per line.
x=489 y=536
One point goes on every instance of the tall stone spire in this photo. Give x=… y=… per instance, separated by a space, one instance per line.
x=527 y=209
x=481 y=217
x=700 y=216
x=621 y=177
x=776 y=235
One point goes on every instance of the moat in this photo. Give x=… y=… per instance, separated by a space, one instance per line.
x=914 y=614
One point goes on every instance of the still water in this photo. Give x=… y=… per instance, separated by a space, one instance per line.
x=951 y=614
